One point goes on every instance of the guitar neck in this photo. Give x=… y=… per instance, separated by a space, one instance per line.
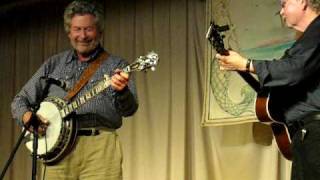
x=253 y=83
x=74 y=105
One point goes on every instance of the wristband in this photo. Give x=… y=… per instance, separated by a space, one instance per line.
x=248 y=65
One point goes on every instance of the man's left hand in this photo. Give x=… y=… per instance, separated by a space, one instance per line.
x=232 y=62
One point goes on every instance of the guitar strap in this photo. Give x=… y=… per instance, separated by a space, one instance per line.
x=89 y=71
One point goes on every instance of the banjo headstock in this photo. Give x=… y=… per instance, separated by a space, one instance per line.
x=143 y=63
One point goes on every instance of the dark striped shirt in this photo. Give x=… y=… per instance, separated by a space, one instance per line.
x=104 y=110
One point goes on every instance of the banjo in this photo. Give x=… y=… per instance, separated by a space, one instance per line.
x=61 y=133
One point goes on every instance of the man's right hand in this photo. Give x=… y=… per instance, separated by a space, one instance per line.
x=28 y=119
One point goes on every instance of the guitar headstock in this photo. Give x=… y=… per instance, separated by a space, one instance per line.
x=143 y=63
x=216 y=38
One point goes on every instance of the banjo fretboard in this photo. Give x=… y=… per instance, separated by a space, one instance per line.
x=101 y=86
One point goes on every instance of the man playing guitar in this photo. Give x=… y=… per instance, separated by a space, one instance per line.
x=294 y=84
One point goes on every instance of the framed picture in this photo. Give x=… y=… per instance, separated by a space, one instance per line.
x=256 y=31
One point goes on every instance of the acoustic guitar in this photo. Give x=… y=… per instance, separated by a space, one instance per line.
x=265 y=107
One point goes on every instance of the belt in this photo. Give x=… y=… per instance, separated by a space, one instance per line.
x=88 y=132
x=92 y=131
x=299 y=124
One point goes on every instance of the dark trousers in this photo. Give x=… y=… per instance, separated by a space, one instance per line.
x=306 y=149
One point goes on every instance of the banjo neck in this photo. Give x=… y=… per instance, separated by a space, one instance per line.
x=74 y=105
x=141 y=64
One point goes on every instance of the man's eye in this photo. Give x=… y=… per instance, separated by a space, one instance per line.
x=89 y=29
x=76 y=29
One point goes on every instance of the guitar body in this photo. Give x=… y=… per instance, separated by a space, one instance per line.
x=267 y=115
x=60 y=135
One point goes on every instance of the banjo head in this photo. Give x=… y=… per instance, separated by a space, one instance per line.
x=59 y=131
x=45 y=143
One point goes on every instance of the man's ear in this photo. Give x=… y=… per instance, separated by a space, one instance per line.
x=304 y=4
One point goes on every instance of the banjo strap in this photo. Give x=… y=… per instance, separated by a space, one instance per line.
x=89 y=71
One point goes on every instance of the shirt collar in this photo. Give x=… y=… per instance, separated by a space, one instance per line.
x=92 y=56
x=312 y=29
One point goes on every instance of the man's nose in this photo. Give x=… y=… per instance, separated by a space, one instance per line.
x=83 y=34
x=281 y=12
